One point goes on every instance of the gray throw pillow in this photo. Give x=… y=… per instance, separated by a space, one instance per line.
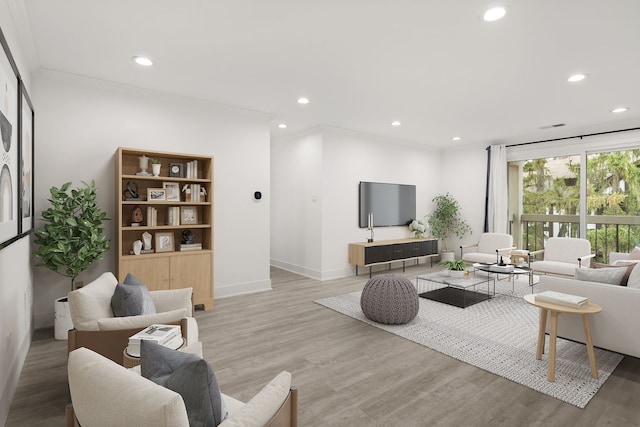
x=132 y=298
x=188 y=375
x=611 y=276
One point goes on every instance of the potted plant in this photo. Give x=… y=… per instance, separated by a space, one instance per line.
x=71 y=240
x=455 y=267
x=155 y=167
x=445 y=221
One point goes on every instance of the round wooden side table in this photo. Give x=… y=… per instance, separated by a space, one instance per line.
x=554 y=310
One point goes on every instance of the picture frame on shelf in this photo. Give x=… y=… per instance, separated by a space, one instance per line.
x=176 y=170
x=164 y=242
x=188 y=215
x=172 y=190
x=156 y=194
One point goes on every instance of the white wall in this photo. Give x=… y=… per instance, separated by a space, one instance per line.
x=80 y=123
x=16 y=280
x=296 y=226
x=465 y=177
x=327 y=166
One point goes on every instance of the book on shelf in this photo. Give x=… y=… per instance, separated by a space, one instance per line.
x=189 y=246
x=166 y=335
x=143 y=251
x=560 y=298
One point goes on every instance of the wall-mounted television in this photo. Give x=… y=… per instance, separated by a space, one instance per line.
x=390 y=204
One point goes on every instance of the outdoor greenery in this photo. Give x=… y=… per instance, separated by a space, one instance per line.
x=445 y=221
x=72 y=237
x=613 y=188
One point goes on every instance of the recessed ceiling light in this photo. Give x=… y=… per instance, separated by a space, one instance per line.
x=303 y=100
x=396 y=123
x=494 y=14
x=455 y=138
x=619 y=110
x=282 y=126
x=144 y=61
x=577 y=78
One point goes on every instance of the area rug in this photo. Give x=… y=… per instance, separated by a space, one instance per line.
x=499 y=336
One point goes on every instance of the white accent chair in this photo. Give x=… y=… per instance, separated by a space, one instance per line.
x=105 y=394
x=561 y=256
x=489 y=249
x=96 y=328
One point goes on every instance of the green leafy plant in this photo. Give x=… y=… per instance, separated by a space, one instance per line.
x=445 y=221
x=155 y=161
x=72 y=237
x=453 y=264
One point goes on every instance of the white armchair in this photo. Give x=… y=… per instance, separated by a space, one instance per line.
x=104 y=394
x=561 y=256
x=96 y=328
x=489 y=248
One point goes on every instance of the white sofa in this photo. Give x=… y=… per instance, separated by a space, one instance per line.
x=616 y=327
x=95 y=326
x=105 y=394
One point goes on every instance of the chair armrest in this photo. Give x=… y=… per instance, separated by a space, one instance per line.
x=506 y=249
x=468 y=246
x=580 y=259
x=173 y=299
x=533 y=254
x=110 y=344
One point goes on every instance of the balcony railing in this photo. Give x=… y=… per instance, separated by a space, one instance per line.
x=606 y=233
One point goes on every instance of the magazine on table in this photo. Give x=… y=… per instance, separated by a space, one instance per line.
x=166 y=335
x=560 y=298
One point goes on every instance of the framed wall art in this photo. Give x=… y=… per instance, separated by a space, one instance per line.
x=9 y=149
x=26 y=182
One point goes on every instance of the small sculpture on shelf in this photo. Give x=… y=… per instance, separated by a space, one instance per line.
x=146 y=239
x=187 y=237
x=136 y=216
x=137 y=247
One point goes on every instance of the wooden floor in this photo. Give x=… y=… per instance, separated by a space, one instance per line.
x=348 y=373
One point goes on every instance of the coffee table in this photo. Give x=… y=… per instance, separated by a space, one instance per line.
x=515 y=272
x=456 y=291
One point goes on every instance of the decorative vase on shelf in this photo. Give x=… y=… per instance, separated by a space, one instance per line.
x=155 y=168
x=418 y=235
x=143 y=162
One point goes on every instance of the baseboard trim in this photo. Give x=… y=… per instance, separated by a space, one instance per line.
x=311 y=273
x=241 y=289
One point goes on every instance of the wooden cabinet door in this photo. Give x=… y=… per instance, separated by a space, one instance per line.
x=194 y=271
x=152 y=271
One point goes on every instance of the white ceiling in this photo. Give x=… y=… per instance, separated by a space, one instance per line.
x=434 y=65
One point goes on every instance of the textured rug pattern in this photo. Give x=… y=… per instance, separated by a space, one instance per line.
x=499 y=336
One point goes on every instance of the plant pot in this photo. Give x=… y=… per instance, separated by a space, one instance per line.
x=447 y=256
x=62 y=322
x=155 y=168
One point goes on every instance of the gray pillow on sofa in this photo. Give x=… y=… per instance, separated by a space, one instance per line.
x=188 y=375
x=611 y=276
x=132 y=298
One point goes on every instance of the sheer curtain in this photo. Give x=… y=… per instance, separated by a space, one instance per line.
x=497 y=196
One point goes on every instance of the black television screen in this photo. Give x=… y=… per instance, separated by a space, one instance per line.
x=390 y=204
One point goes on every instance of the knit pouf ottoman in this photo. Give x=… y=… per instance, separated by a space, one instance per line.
x=389 y=299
